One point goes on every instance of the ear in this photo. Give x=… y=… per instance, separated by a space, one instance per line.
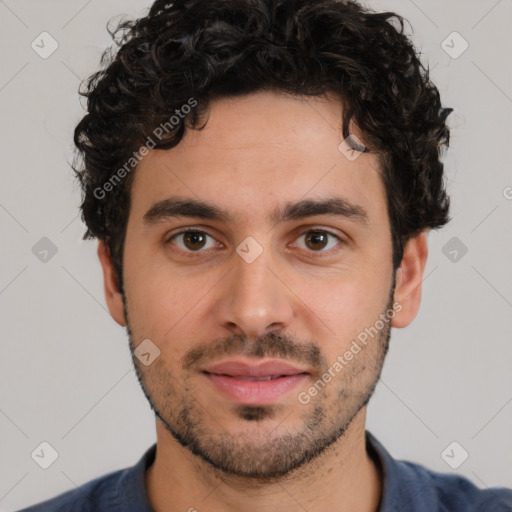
x=113 y=296
x=409 y=277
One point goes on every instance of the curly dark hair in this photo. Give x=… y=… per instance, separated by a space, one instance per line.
x=220 y=48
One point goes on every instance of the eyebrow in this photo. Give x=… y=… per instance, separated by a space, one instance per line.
x=180 y=207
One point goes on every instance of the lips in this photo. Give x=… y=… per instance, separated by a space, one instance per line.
x=250 y=384
x=264 y=371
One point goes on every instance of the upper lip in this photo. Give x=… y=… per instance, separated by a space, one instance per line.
x=238 y=368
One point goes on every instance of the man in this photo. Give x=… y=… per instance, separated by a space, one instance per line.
x=261 y=176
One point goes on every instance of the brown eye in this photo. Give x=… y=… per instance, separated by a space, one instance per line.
x=318 y=241
x=192 y=240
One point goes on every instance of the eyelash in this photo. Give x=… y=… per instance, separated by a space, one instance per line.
x=193 y=254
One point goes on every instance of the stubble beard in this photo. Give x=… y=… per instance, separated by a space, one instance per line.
x=264 y=452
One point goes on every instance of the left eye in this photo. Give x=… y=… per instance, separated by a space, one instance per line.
x=193 y=240
x=318 y=240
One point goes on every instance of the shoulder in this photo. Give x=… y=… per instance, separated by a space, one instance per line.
x=94 y=496
x=119 y=491
x=457 y=493
x=413 y=487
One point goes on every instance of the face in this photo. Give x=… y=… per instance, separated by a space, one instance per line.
x=257 y=256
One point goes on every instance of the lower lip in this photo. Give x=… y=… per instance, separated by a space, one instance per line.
x=255 y=392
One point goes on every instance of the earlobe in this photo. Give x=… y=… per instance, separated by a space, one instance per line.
x=113 y=295
x=408 y=280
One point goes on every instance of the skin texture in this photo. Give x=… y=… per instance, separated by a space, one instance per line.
x=296 y=301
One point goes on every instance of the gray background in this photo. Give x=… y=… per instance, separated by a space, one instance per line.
x=66 y=372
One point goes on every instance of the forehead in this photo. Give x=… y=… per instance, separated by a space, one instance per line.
x=257 y=152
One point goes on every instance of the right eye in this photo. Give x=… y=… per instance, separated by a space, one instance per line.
x=192 y=240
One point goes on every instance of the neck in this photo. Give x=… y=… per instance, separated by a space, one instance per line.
x=342 y=478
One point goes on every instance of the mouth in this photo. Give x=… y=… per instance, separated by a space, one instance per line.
x=259 y=379
x=250 y=384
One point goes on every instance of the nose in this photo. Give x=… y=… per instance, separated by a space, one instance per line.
x=254 y=298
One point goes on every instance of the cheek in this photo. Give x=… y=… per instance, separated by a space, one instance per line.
x=165 y=305
x=344 y=309
x=347 y=301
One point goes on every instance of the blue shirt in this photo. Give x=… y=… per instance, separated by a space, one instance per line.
x=406 y=487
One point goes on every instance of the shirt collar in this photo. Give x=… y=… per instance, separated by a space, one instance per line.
x=131 y=489
x=405 y=486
